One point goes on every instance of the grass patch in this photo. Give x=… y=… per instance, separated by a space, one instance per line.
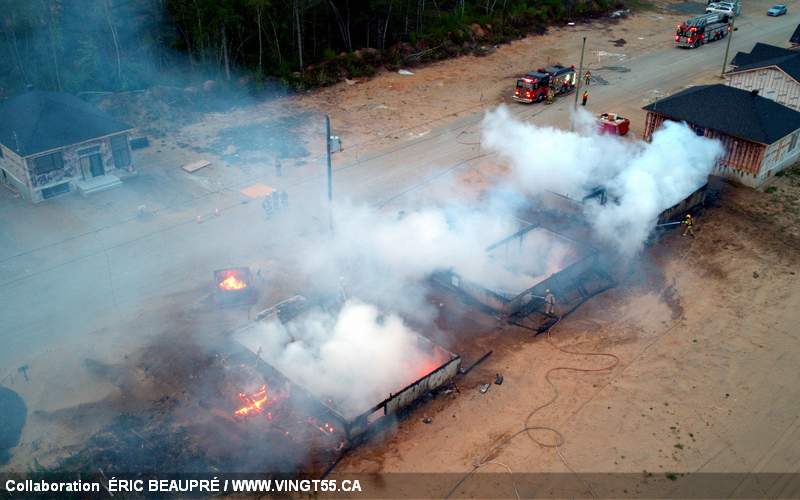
x=770 y=189
x=671 y=476
x=679 y=446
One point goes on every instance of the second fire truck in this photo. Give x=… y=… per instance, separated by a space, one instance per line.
x=699 y=30
x=534 y=86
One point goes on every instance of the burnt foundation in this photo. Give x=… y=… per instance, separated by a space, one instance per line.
x=523 y=267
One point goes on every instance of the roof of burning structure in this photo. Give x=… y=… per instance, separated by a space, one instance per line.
x=759 y=53
x=39 y=121
x=736 y=112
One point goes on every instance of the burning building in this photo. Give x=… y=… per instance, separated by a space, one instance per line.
x=358 y=363
x=524 y=266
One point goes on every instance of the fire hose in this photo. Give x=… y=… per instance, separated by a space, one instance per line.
x=528 y=428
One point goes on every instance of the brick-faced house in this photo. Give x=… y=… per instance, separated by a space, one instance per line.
x=53 y=143
x=773 y=71
x=760 y=136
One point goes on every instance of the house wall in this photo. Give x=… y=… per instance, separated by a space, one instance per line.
x=16 y=173
x=71 y=172
x=771 y=83
x=781 y=154
x=742 y=161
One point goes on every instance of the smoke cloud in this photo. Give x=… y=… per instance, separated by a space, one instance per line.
x=355 y=358
x=643 y=179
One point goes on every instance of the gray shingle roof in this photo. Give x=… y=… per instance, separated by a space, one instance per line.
x=760 y=52
x=788 y=64
x=39 y=121
x=795 y=39
x=731 y=111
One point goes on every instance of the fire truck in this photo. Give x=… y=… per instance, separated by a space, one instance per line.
x=699 y=30
x=534 y=86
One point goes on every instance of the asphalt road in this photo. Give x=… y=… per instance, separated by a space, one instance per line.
x=58 y=295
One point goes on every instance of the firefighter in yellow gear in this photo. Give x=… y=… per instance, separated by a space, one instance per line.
x=551 y=96
x=688 y=226
x=587 y=77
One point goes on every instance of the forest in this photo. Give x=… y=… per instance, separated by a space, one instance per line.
x=117 y=45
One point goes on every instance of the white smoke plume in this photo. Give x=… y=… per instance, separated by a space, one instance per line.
x=643 y=179
x=386 y=259
x=356 y=358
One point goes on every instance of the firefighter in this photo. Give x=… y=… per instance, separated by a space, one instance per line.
x=587 y=77
x=268 y=206
x=284 y=200
x=551 y=96
x=549 y=302
x=585 y=97
x=688 y=226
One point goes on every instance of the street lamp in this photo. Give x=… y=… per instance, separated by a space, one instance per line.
x=333 y=144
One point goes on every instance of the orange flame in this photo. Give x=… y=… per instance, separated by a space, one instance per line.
x=254 y=403
x=231 y=282
x=325 y=428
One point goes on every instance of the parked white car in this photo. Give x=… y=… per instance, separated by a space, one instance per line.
x=728 y=8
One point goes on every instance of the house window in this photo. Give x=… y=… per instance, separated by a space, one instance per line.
x=55 y=190
x=48 y=163
x=701 y=131
x=120 y=151
x=793 y=142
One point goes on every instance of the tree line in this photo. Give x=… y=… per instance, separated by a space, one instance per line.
x=113 y=45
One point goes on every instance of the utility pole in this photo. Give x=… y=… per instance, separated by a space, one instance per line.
x=330 y=169
x=727 y=48
x=578 y=86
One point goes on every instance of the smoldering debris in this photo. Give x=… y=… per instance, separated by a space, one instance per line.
x=181 y=409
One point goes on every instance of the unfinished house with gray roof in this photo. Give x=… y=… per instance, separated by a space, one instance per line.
x=773 y=71
x=52 y=143
x=760 y=136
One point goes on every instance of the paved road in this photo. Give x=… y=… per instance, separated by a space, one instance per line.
x=55 y=294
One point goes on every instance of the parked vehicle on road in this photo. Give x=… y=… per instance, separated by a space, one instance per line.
x=700 y=30
x=777 y=10
x=536 y=85
x=728 y=8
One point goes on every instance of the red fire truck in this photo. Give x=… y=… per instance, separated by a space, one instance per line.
x=699 y=30
x=534 y=86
